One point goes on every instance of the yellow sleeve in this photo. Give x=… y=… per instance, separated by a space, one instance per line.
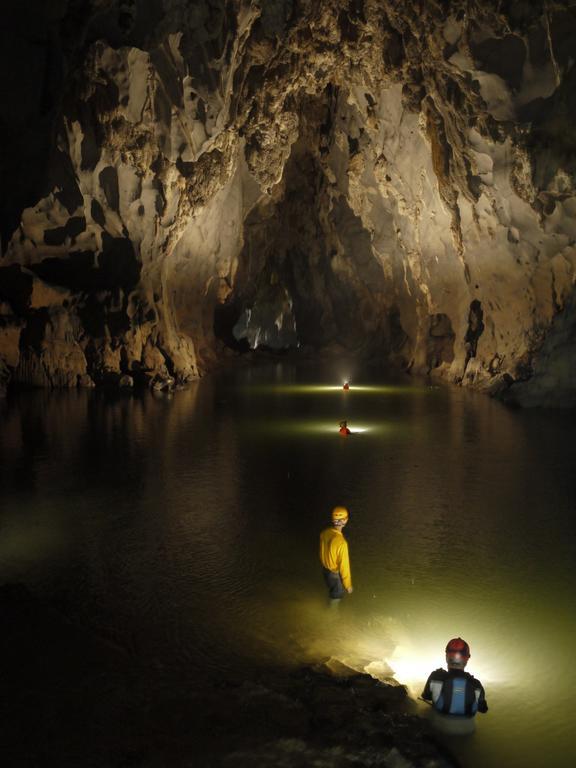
x=345 y=574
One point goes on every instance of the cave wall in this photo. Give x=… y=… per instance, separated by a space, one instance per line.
x=391 y=180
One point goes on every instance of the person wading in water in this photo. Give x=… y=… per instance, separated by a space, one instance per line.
x=334 y=557
x=455 y=694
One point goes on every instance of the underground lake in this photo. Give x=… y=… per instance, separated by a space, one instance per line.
x=183 y=528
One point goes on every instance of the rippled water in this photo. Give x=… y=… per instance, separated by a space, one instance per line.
x=185 y=528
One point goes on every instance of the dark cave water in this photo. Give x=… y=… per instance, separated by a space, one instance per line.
x=185 y=528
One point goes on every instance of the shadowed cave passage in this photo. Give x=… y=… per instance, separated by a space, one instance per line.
x=292 y=286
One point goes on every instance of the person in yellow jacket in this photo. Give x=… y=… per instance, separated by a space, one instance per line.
x=334 y=557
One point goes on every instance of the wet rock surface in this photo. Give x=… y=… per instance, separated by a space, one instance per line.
x=184 y=179
x=74 y=697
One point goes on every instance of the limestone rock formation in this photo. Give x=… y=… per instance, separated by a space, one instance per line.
x=183 y=178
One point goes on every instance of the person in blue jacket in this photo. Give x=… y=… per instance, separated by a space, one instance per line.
x=455 y=692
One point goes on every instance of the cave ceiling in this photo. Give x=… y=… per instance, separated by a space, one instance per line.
x=185 y=181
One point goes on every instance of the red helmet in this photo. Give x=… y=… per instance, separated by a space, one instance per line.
x=457 y=652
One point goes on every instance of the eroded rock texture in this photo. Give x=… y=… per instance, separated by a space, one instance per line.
x=391 y=179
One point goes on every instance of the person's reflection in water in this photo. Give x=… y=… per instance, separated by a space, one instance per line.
x=334 y=557
x=455 y=694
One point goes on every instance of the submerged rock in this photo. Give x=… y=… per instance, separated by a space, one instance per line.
x=319 y=719
x=162 y=383
x=126 y=381
x=86 y=382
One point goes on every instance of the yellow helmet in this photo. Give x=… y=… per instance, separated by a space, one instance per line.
x=339 y=514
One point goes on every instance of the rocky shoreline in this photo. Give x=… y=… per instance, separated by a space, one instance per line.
x=311 y=716
x=73 y=698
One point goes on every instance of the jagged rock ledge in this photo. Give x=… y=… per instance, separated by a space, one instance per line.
x=311 y=717
x=80 y=699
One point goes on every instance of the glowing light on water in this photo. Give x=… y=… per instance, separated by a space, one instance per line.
x=386 y=648
x=412 y=667
x=412 y=662
x=312 y=428
x=386 y=389
x=325 y=427
x=293 y=389
x=311 y=389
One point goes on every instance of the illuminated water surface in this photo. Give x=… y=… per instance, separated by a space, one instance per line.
x=189 y=525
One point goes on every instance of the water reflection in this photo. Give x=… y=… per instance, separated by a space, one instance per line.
x=185 y=529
